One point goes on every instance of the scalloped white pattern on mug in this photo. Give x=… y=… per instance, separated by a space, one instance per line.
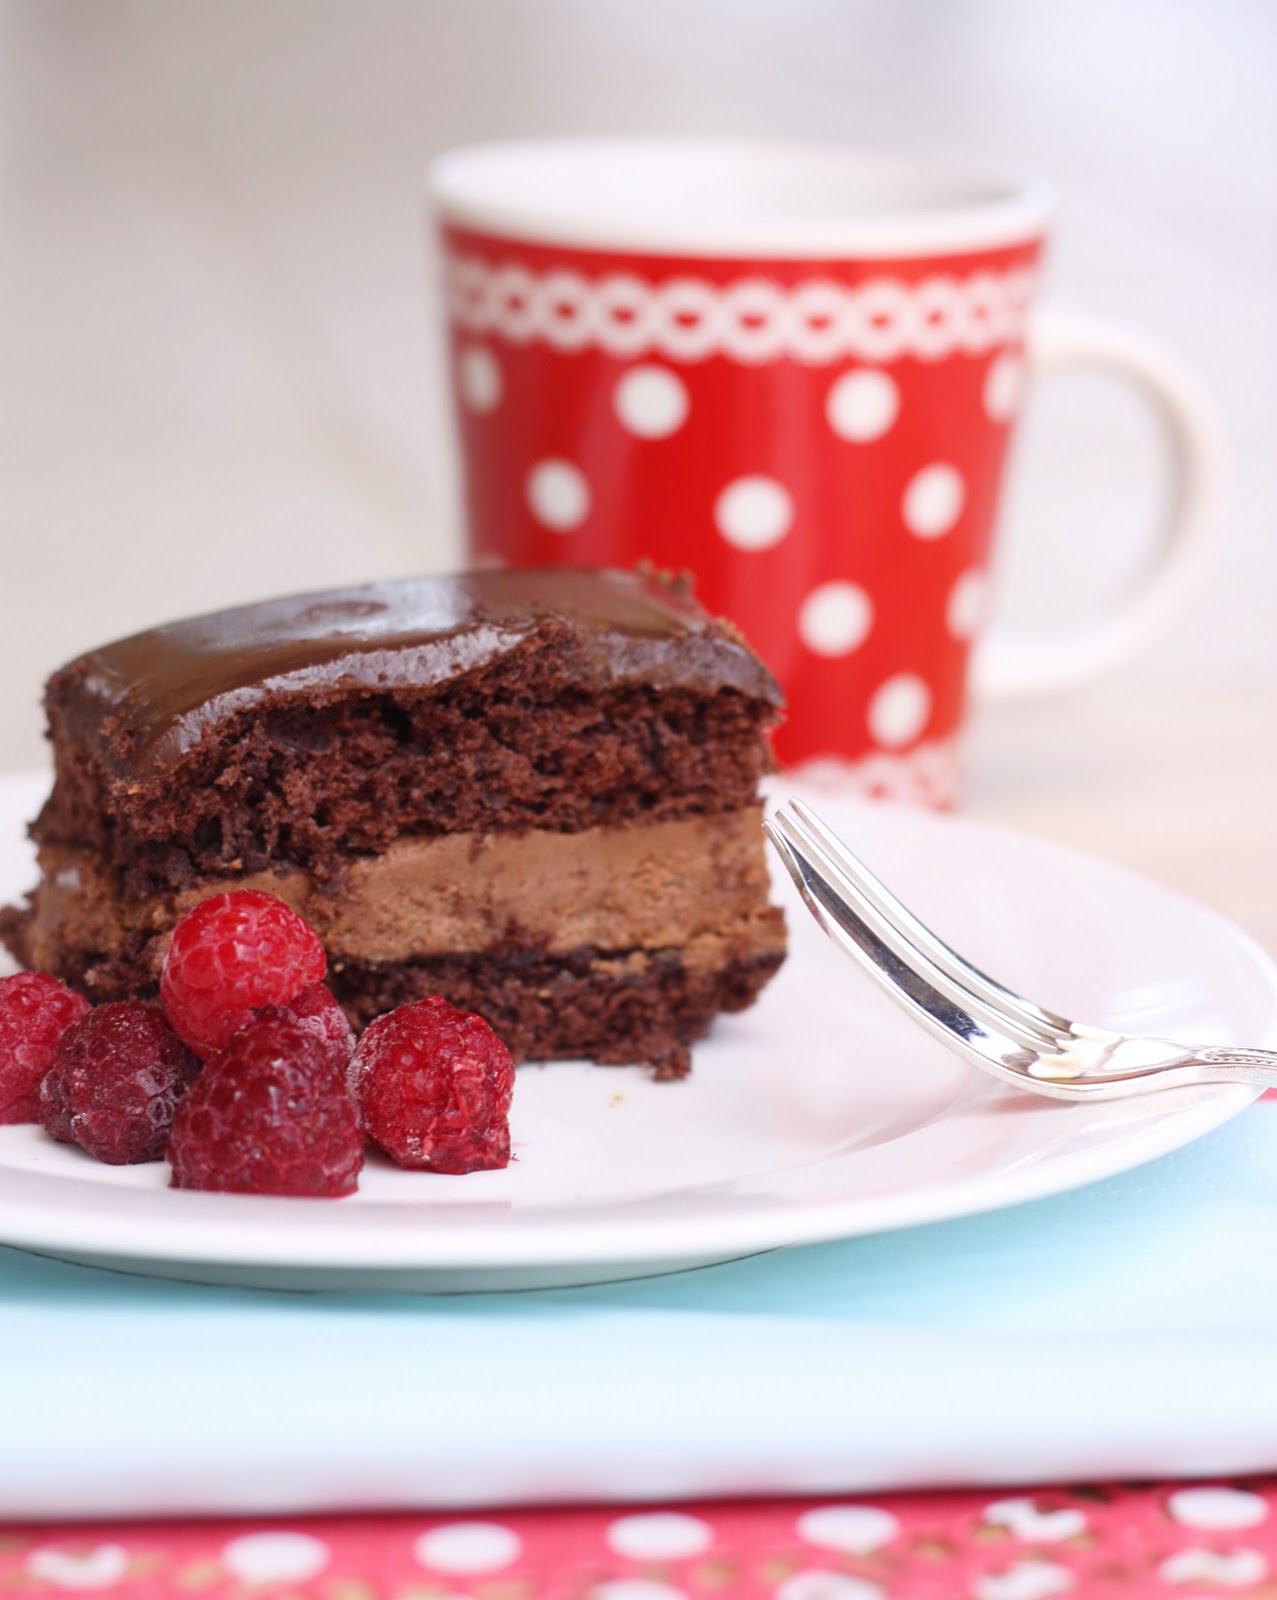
x=750 y=320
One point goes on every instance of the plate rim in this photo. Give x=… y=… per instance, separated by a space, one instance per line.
x=621 y=1241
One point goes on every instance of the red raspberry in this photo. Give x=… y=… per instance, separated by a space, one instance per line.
x=268 y=1115
x=115 y=1082
x=434 y=1087
x=319 y=1011
x=232 y=954
x=35 y=1011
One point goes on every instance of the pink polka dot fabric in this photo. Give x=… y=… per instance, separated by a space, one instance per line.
x=1106 y=1542
x=820 y=442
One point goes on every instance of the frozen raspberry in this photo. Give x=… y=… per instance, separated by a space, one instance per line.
x=268 y=1115
x=229 y=956
x=35 y=1011
x=115 y=1082
x=317 y=1009
x=434 y=1087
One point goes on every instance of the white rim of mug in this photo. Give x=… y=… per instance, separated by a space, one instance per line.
x=476 y=187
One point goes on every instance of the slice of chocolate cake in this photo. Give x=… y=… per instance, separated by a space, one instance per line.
x=534 y=793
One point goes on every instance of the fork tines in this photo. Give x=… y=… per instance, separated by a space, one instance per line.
x=915 y=966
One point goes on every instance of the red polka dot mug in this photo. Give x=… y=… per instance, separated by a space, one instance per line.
x=793 y=371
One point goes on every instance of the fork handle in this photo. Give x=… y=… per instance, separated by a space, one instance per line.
x=1232 y=1064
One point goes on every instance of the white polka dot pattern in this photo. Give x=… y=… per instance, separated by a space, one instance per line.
x=898 y=710
x=479 y=378
x=1003 y=386
x=652 y=402
x=835 y=618
x=659 y=1536
x=854 y=1529
x=275 y=1557
x=967 y=607
x=558 y=495
x=933 y=500
x=1213 y=1508
x=467 y=1548
x=862 y=405
x=754 y=513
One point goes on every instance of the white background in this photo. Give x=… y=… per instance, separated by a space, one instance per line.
x=219 y=337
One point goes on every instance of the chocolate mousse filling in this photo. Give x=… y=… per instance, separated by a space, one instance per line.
x=667 y=909
x=697 y=882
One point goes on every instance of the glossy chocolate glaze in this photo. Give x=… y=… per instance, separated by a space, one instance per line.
x=142 y=703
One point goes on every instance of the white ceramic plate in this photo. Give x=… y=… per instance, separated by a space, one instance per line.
x=819 y=1114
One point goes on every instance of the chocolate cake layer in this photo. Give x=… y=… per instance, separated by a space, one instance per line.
x=146 y=701
x=645 y=1006
x=303 y=731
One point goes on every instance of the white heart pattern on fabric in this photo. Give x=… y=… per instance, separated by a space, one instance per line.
x=100 y=1568
x=1234 y=1569
x=1027 y=1580
x=1026 y=1522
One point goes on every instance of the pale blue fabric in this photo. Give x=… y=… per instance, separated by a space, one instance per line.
x=1129 y=1328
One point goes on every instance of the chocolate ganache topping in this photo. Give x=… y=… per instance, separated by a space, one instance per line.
x=144 y=702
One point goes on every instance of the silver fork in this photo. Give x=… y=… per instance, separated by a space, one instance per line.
x=1017 y=1041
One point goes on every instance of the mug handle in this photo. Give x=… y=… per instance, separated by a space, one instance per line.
x=1015 y=666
